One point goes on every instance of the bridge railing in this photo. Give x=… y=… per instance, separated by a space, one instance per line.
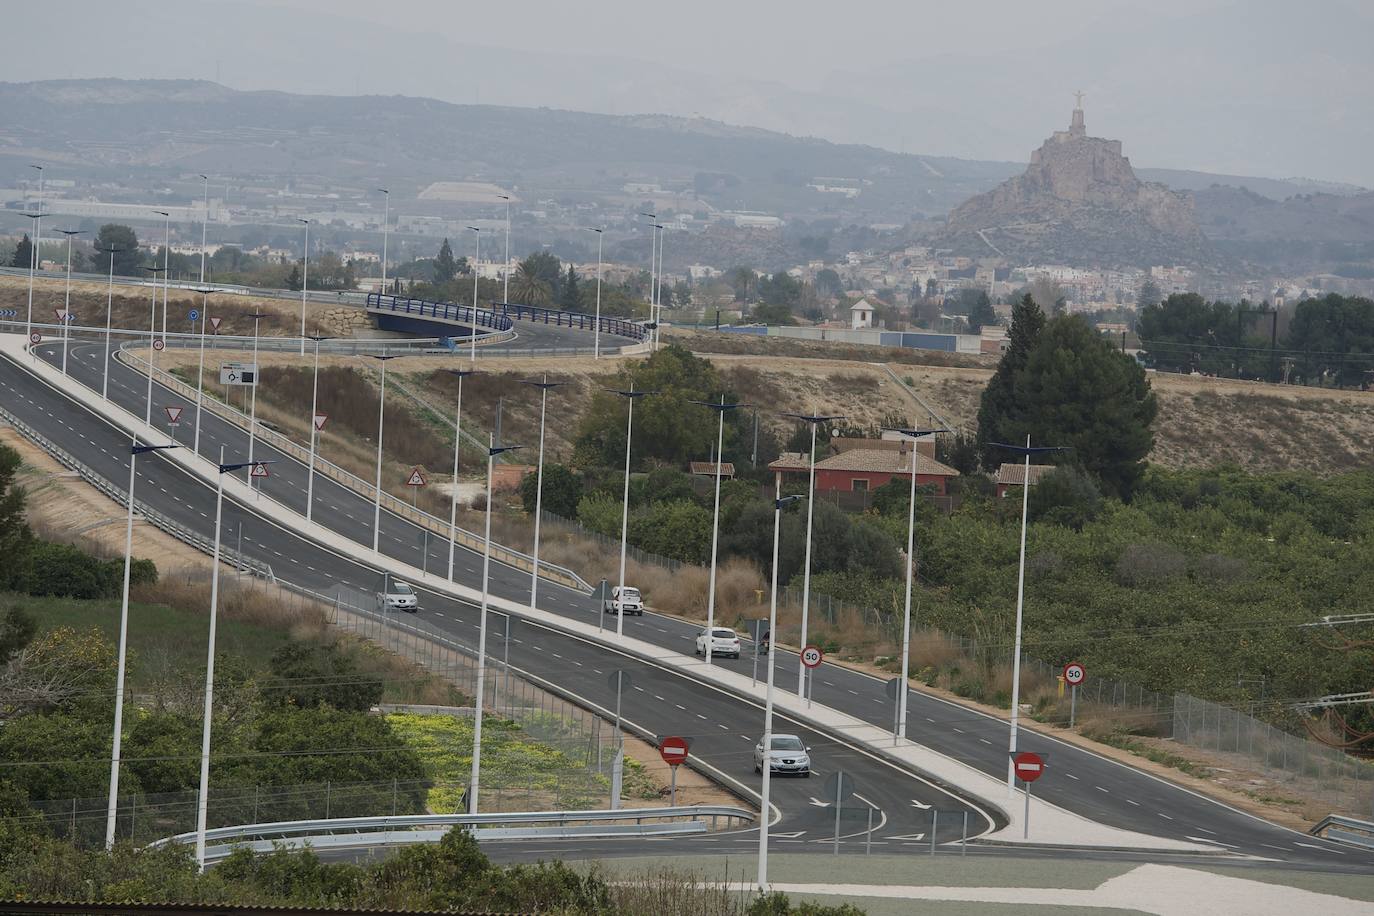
x=444 y=311
x=559 y=318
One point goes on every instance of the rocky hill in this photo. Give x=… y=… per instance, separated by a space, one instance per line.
x=1079 y=202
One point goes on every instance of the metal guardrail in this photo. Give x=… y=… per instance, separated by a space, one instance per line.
x=396 y=830
x=440 y=311
x=119 y=495
x=351 y=297
x=399 y=507
x=579 y=320
x=1347 y=830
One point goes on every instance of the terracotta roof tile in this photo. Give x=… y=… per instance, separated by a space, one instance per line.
x=1013 y=473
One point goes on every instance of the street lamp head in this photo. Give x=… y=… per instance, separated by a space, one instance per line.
x=386 y=356
x=462 y=373
x=913 y=433
x=143 y=449
x=39 y=167
x=238 y=466
x=111 y=250
x=593 y=229
x=628 y=394
x=70 y=232
x=300 y=220
x=163 y=213
x=474 y=229
x=544 y=384
x=206 y=177
x=384 y=190
x=257 y=315
x=721 y=406
x=155 y=270
x=493 y=451
x=503 y=196
x=317 y=337
x=650 y=215
x=34 y=215
x=1030 y=450
x=814 y=418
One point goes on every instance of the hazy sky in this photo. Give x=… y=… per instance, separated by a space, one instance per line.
x=1263 y=87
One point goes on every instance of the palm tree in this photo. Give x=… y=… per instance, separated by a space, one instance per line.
x=527 y=288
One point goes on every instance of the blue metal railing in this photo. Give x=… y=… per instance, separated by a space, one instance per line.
x=445 y=311
x=559 y=318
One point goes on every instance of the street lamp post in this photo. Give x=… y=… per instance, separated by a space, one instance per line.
x=381 y=422
x=166 y=263
x=314 y=431
x=457 y=443
x=778 y=502
x=67 y=305
x=1027 y=451
x=204 y=226
x=476 y=259
x=200 y=372
x=815 y=420
x=912 y=435
x=658 y=288
x=630 y=396
x=596 y=333
x=544 y=385
x=653 y=266
x=203 y=799
x=720 y=410
x=253 y=394
x=492 y=451
x=152 y=340
x=505 y=272
x=109 y=318
x=36 y=255
x=386 y=225
x=305 y=279
x=111 y=810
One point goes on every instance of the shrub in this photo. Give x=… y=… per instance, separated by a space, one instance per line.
x=1148 y=565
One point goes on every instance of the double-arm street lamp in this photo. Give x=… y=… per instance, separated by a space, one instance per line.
x=492 y=451
x=778 y=502
x=109 y=320
x=457 y=445
x=386 y=224
x=153 y=342
x=596 y=334
x=505 y=272
x=305 y=278
x=112 y=806
x=36 y=253
x=1025 y=450
x=543 y=385
x=720 y=410
x=381 y=424
x=476 y=259
x=815 y=420
x=67 y=305
x=910 y=435
x=630 y=396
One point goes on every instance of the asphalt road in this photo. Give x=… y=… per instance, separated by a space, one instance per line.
x=724 y=727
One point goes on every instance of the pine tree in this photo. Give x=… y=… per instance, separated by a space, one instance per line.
x=571 y=300
x=995 y=411
x=23 y=253
x=445 y=267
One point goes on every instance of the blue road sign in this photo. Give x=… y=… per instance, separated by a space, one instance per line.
x=8 y=313
x=193 y=315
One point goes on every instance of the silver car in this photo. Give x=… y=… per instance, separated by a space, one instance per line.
x=398 y=596
x=788 y=757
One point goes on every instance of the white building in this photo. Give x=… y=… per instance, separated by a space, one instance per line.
x=861 y=315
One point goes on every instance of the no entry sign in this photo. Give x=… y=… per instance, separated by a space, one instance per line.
x=1074 y=674
x=1029 y=767
x=673 y=750
x=812 y=656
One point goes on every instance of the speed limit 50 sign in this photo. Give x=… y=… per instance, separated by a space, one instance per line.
x=1074 y=674
x=812 y=656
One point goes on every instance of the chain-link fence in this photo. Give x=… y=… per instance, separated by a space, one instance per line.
x=1289 y=763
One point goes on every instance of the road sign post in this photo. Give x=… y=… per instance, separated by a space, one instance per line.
x=1074 y=673
x=673 y=750
x=238 y=374
x=837 y=786
x=415 y=481
x=618 y=681
x=811 y=658
x=894 y=693
x=758 y=628
x=173 y=419
x=1028 y=768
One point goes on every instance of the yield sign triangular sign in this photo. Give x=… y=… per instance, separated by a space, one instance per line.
x=320 y=420
x=60 y=313
x=417 y=479
x=214 y=324
x=173 y=414
x=259 y=470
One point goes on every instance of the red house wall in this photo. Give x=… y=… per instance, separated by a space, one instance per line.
x=828 y=480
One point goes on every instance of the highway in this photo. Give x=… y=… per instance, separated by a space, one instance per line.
x=663 y=702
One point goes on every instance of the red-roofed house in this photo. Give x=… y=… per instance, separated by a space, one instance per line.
x=866 y=464
x=1013 y=474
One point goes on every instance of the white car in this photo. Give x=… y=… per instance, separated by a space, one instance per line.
x=398 y=596
x=625 y=601
x=723 y=642
x=789 y=757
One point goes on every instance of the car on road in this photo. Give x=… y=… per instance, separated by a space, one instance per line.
x=398 y=596
x=625 y=601
x=724 y=641
x=788 y=757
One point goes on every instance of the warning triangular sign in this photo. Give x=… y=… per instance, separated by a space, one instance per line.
x=259 y=470
x=61 y=314
x=416 y=479
x=173 y=414
x=320 y=420
x=214 y=324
